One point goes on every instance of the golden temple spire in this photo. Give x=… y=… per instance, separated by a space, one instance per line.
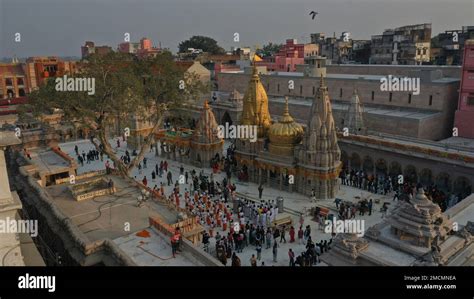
x=255 y=104
x=286 y=111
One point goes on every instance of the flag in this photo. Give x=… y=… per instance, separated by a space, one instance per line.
x=256 y=58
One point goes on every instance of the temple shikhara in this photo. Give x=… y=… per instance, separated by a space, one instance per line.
x=205 y=143
x=286 y=156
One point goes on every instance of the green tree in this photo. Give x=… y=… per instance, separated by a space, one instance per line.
x=269 y=49
x=204 y=43
x=124 y=87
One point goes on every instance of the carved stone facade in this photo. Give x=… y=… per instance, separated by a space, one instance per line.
x=205 y=142
x=284 y=156
x=420 y=222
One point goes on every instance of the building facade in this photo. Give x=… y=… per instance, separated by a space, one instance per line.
x=290 y=55
x=19 y=79
x=465 y=112
x=427 y=115
x=403 y=45
x=449 y=46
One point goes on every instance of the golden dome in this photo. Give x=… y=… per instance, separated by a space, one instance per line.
x=286 y=132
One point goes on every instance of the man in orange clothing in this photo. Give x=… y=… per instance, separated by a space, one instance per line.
x=176 y=196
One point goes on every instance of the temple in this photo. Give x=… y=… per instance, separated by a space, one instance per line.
x=354 y=120
x=417 y=233
x=285 y=156
x=205 y=142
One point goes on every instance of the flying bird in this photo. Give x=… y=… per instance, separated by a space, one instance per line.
x=313 y=14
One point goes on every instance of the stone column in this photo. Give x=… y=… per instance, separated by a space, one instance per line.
x=281 y=181
x=168 y=153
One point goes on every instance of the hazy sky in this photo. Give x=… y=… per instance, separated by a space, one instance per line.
x=60 y=27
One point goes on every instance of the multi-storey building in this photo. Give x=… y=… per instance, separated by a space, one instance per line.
x=19 y=79
x=290 y=55
x=128 y=47
x=449 y=46
x=90 y=48
x=143 y=49
x=404 y=45
x=428 y=114
x=337 y=50
x=465 y=114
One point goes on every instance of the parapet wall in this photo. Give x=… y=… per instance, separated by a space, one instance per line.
x=70 y=243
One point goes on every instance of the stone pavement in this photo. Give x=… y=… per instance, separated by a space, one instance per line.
x=293 y=201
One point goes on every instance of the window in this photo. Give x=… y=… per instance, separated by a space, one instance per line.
x=373 y=95
x=268 y=86
x=314 y=90
x=340 y=93
x=390 y=97
x=301 y=89
x=21 y=92
x=9 y=82
x=424 y=51
x=470 y=99
x=19 y=81
x=278 y=87
x=409 y=98
x=431 y=100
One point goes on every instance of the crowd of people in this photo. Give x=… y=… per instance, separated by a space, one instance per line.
x=404 y=189
x=89 y=157
x=246 y=225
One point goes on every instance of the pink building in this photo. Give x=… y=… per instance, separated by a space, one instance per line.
x=145 y=44
x=464 y=118
x=289 y=56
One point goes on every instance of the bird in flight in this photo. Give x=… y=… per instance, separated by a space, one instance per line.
x=313 y=14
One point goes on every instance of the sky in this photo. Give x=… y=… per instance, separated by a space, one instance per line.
x=60 y=27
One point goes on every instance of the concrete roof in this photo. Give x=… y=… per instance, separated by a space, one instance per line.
x=49 y=162
x=105 y=216
x=153 y=251
x=346 y=76
x=8 y=138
